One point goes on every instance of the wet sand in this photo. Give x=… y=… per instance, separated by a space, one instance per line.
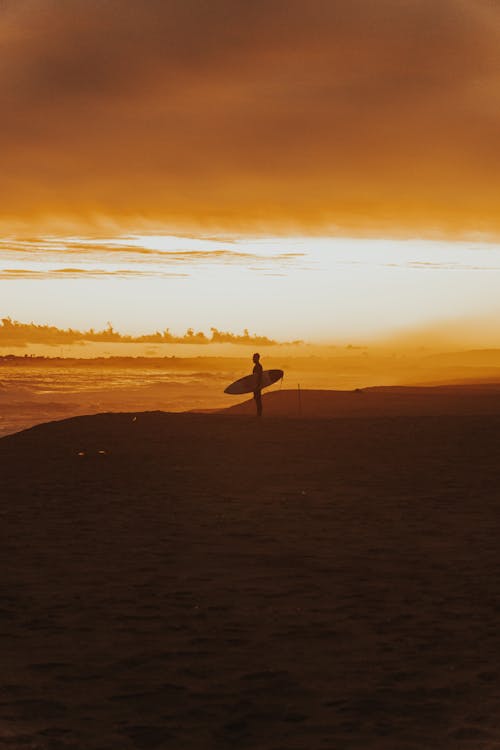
x=212 y=581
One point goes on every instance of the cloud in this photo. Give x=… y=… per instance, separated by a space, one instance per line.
x=368 y=117
x=80 y=273
x=130 y=259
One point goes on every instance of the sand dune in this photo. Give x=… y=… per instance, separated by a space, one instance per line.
x=379 y=401
x=205 y=581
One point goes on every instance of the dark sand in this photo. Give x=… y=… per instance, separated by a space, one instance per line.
x=212 y=581
x=380 y=401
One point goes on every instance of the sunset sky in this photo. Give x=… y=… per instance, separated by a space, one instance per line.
x=316 y=170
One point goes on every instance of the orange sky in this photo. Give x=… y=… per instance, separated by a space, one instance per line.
x=373 y=118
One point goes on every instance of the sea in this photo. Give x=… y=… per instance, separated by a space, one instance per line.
x=32 y=392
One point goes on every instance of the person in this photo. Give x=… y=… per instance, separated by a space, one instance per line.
x=257 y=372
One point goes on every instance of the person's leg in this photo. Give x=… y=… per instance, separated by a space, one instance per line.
x=258 y=402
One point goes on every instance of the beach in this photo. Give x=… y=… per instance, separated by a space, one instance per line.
x=199 y=198
x=218 y=581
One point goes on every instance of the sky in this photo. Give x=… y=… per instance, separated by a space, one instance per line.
x=322 y=290
x=320 y=170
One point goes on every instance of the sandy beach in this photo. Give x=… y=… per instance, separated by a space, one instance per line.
x=214 y=581
x=200 y=199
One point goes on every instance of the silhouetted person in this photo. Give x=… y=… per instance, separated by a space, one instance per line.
x=257 y=371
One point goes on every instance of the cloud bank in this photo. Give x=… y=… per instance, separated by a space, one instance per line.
x=370 y=118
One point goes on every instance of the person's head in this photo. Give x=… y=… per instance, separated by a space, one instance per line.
x=256 y=357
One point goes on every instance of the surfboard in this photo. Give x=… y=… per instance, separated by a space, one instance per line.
x=247 y=384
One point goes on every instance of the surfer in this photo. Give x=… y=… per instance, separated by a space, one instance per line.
x=257 y=373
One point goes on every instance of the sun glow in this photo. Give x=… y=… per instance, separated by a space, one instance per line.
x=312 y=288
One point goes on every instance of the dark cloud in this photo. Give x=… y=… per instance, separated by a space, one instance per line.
x=372 y=116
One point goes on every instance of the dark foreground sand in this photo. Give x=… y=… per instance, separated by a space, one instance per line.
x=218 y=582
